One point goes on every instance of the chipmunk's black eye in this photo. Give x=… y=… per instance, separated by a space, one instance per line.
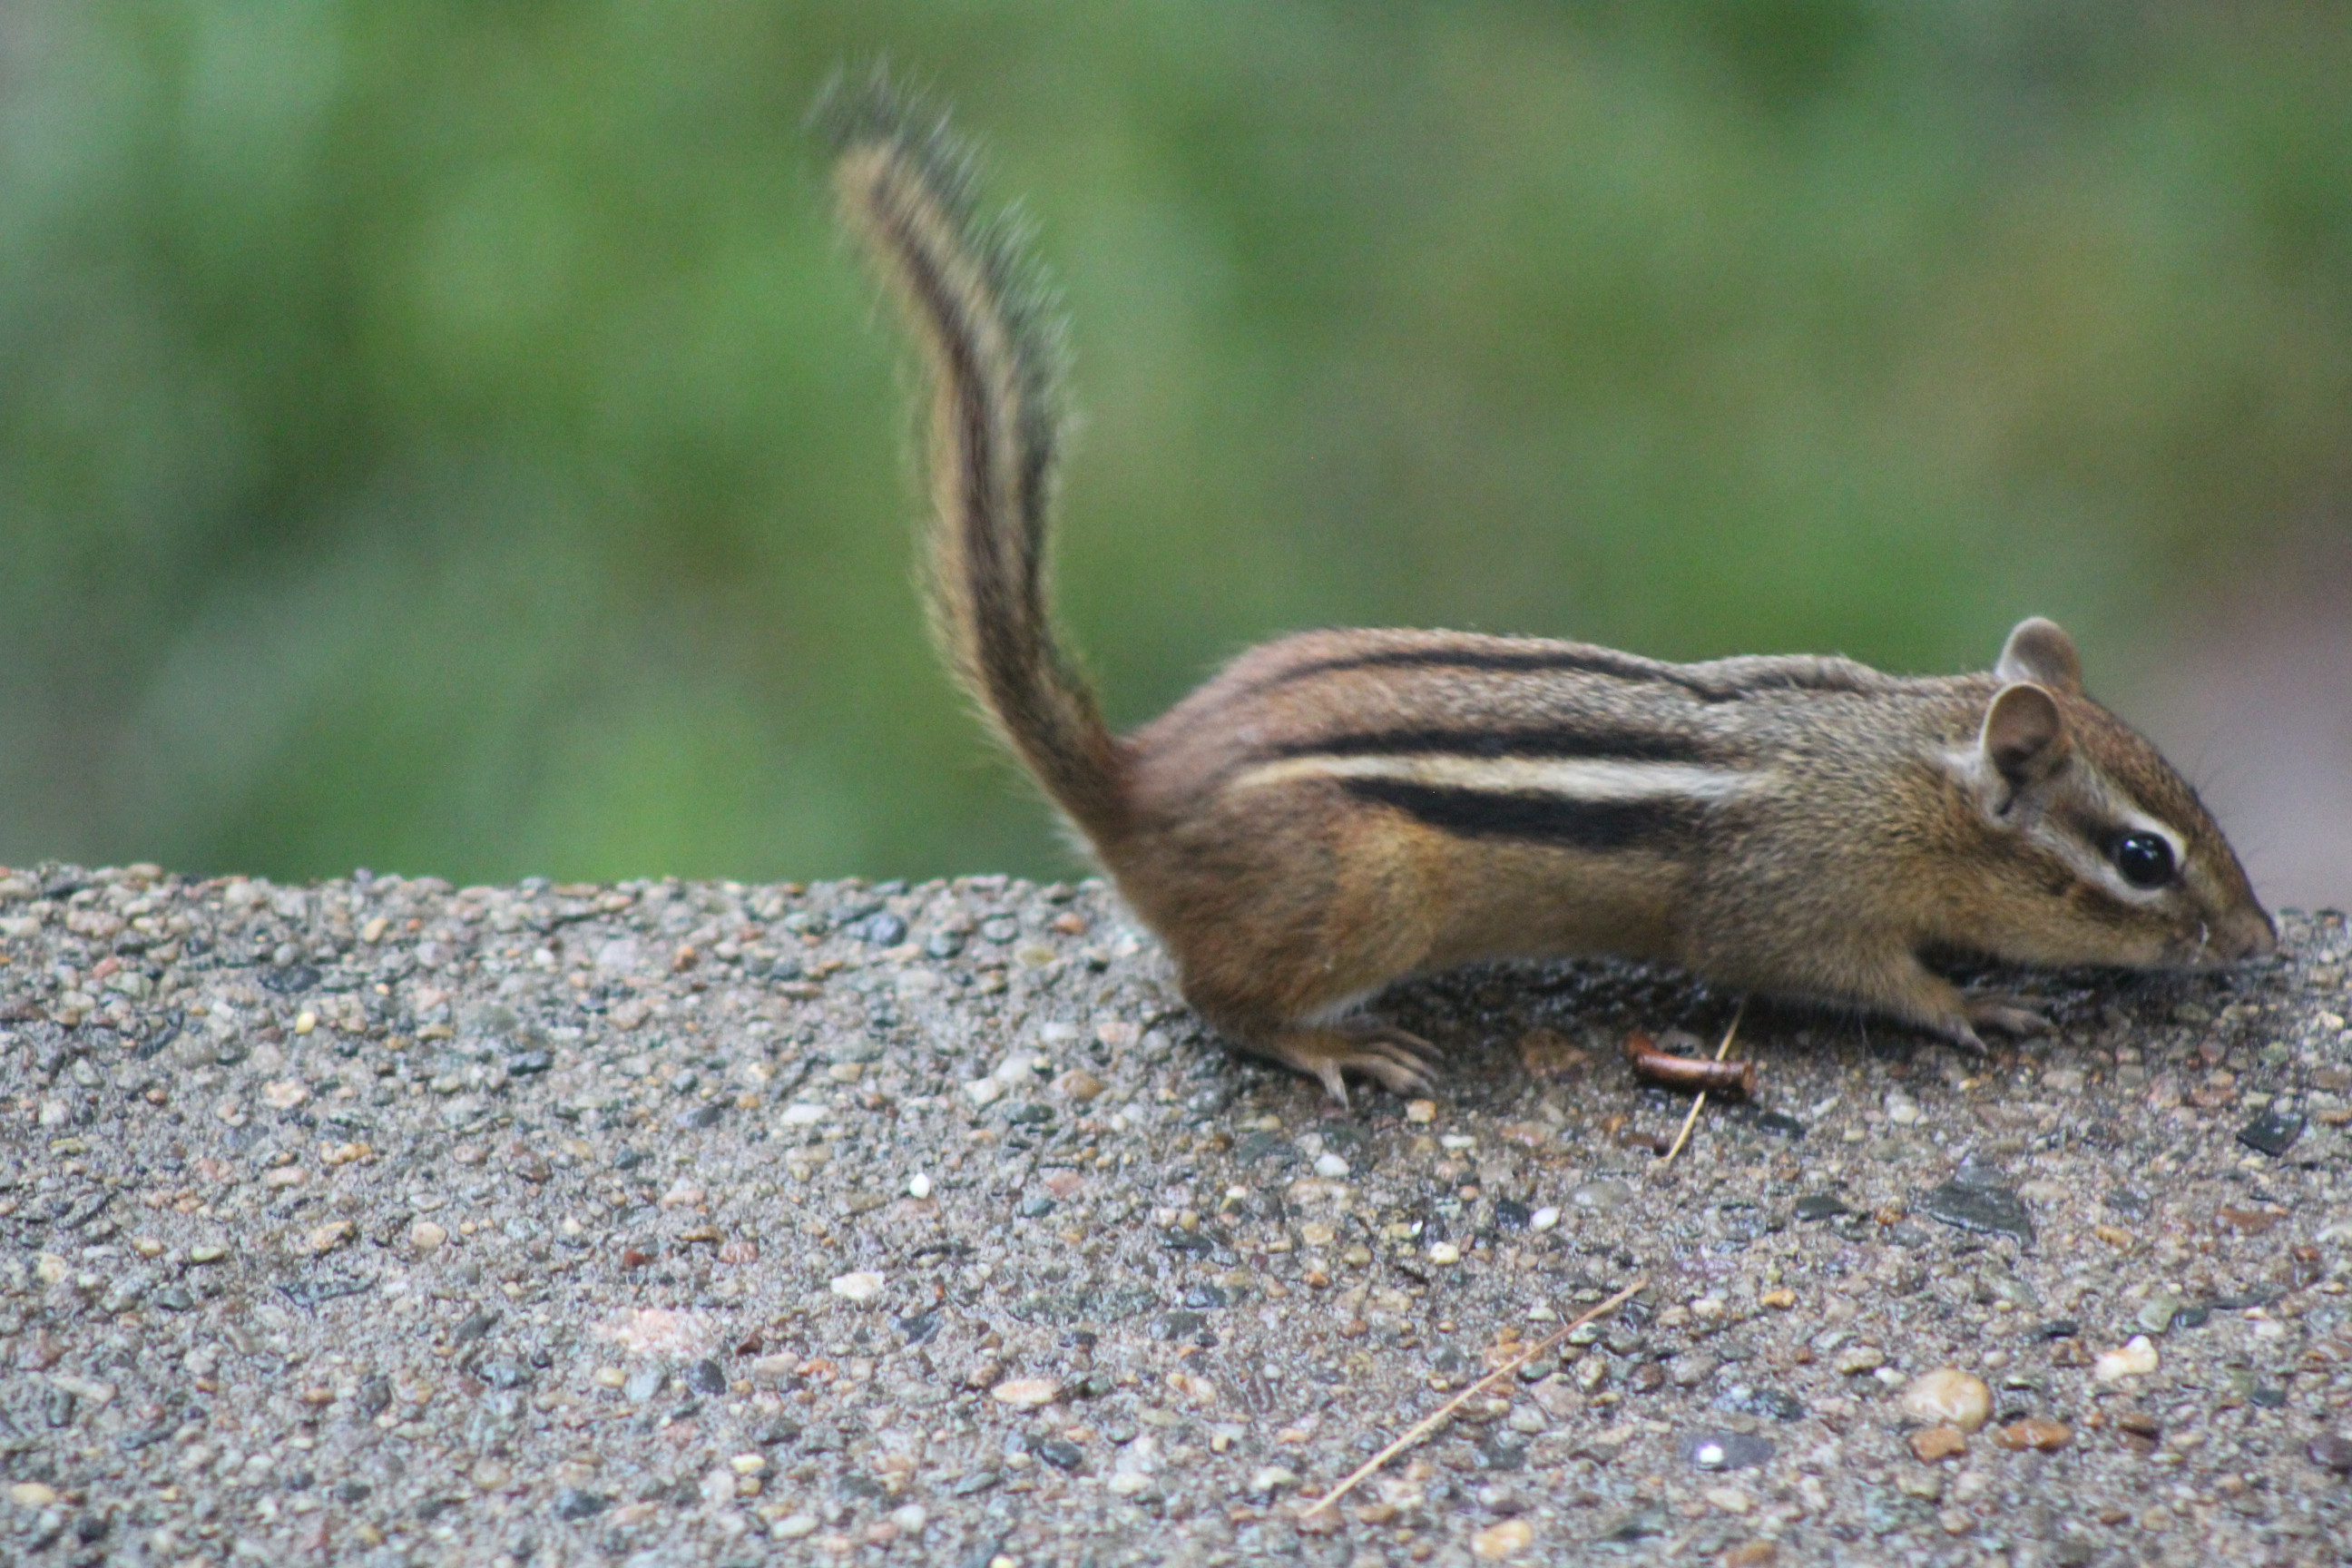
x=2145 y=859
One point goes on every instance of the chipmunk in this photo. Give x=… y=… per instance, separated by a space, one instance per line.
x=1340 y=810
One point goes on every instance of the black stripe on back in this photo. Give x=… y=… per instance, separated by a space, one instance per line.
x=1596 y=824
x=1610 y=742
x=1588 y=661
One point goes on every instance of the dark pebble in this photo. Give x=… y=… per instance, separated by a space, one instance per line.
x=1727 y=1451
x=2272 y=1132
x=1257 y=1146
x=523 y=1064
x=1498 y=1452
x=920 y=1327
x=1819 y=1206
x=573 y=1504
x=1780 y=1123
x=1036 y=1209
x=703 y=1115
x=1511 y=1214
x=1971 y=1205
x=883 y=931
x=1061 y=1454
x=473 y=1328
x=1191 y=1243
x=2332 y=1452
x=433 y=1508
x=2125 y=1201
x=2191 y=1316
x=1635 y=1525
x=1174 y=1326
x=505 y=1374
x=375 y=1396
x=353 y=1491
x=973 y=1484
x=291 y=981
x=174 y=1299
x=2267 y=1398
x=778 y=1434
x=706 y=1377
x=2058 y=1329
x=943 y=944
x=1775 y=1403
x=1204 y=1298
x=1033 y=1114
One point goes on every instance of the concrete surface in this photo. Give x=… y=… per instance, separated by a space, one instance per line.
x=380 y=1222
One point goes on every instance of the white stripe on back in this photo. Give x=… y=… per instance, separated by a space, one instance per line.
x=1584 y=778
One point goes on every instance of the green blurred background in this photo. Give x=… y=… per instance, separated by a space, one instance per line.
x=450 y=437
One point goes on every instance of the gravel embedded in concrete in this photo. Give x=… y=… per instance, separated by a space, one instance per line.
x=390 y=1223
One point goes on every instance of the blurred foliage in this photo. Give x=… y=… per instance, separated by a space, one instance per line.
x=449 y=436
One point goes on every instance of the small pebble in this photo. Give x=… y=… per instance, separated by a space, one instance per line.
x=1500 y=1542
x=2136 y=1358
x=1026 y=1392
x=2046 y=1436
x=1968 y=1205
x=1949 y=1397
x=861 y=1287
x=1728 y=1451
x=1543 y=1219
x=1600 y=1197
x=1860 y=1359
x=1933 y=1442
x=1331 y=1167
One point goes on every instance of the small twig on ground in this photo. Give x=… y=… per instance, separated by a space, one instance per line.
x=1700 y=1103
x=1688 y=1072
x=1436 y=1418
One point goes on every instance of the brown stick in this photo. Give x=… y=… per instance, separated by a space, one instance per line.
x=1436 y=1418
x=1700 y=1103
x=1693 y=1072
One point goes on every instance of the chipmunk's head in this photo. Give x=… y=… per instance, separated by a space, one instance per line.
x=2102 y=851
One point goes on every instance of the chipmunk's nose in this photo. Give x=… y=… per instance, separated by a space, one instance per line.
x=2246 y=933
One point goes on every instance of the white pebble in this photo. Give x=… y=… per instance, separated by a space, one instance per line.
x=860 y=1286
x=1331 y=1167
x=801 y=1113
x=1544 y=1218
x=918 y=1185
x=2137 y=1358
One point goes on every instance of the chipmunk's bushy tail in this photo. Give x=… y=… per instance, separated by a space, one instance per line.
x=992 y=351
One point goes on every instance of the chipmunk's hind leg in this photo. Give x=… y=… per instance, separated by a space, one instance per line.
x=1401 y=1062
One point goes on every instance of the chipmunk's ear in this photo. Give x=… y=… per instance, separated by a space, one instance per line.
x=2042 y=652
x=2024 y=739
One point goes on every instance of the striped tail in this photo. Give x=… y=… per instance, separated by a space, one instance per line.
x=992 y=352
